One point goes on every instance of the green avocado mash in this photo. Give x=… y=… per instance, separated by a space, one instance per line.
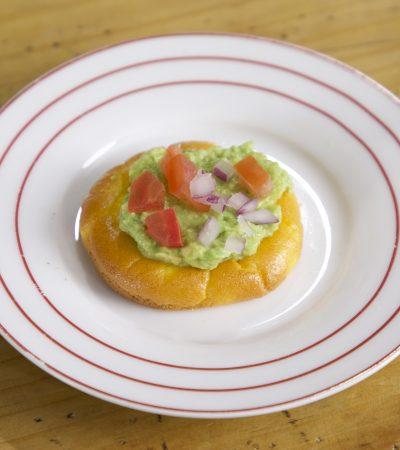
x=194 y=253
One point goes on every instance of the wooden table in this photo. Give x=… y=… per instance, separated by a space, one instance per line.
x=37 y=412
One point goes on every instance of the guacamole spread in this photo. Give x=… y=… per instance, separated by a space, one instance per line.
x=193 y=253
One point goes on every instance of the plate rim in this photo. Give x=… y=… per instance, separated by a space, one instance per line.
x=261 y=63
x=346 y=128
x=375 y=84
x=178 y=412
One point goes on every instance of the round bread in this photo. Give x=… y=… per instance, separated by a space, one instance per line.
x=161 y=285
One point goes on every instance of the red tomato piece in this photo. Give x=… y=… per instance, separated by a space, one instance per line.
x=147 y=193
x=180 y=172
x=254 y=177
x=172 y=150
x=163 y=227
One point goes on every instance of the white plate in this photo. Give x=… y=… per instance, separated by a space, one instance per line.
x=331 y=323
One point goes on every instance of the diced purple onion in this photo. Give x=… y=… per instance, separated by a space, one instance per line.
x=223 y=170
x=212 y=199
x=260 y=216
x=235 y=244
x=218 y=207
x=251 y=205
x=202 y=185
x=236 y=201
x=209 y=232
x=244 y=225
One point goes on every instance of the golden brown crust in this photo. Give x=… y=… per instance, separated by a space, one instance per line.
x=161 y=285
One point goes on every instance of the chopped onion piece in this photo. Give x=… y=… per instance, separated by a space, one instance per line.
x=235 y=244
x=216 y=203
x=260 y=216
x=223 y=170
x=244 y=225
x=251 y=205
x=209 y=232
x=202 y=185
x=236 y=201
x=218 y=207
x=211 y=200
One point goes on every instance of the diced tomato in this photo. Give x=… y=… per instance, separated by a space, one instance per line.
x=180 y=172
x=172 y=150
x=147 y=193
x=254 y=177
x=163 y=227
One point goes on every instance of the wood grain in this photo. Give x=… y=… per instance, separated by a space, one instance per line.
x=38 y=412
